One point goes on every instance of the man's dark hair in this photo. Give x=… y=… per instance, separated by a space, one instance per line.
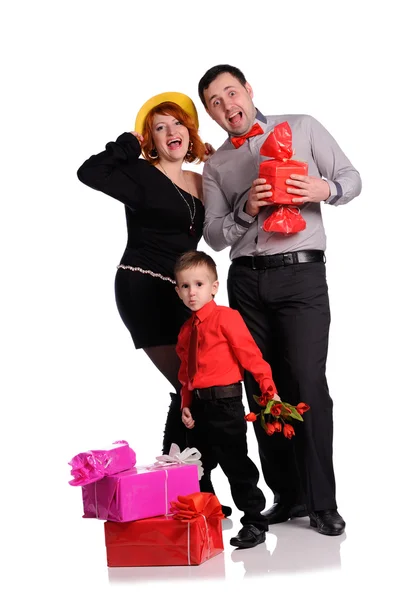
x=214 y=72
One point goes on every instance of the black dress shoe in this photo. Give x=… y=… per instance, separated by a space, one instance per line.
x=248 y=537
x=328 y=522
x=226 y=510
x=279 y=512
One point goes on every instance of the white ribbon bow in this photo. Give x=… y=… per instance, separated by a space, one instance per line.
x=189 y=456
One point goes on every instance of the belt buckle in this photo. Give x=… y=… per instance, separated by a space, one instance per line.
x=288 y=259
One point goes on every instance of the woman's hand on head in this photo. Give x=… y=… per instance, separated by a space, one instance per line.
x=138 y=136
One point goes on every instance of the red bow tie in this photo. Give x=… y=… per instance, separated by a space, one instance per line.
x=238 y=141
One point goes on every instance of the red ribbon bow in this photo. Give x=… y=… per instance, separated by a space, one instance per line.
x=278 y=143
x=238 y=141
x=192 y=506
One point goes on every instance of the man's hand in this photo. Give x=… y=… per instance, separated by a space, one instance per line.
x=257 y=197
x=276 y=397
x=308 y=189
x=138 y=136
x=187 y=418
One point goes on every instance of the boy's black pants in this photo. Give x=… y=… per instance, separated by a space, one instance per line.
x=219 y=434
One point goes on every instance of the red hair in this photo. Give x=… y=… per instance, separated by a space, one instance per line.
x=197 y=151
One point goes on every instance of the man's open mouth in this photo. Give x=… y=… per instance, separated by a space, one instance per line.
x=235 y=117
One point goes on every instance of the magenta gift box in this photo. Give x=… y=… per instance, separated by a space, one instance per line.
x=139 y=493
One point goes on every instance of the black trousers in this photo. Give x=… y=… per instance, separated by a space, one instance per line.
x=287 y=311
x=220 y=434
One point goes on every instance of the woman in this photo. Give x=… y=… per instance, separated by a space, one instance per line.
x=164 y=216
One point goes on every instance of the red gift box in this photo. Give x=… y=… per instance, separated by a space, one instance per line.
x=189 y=537
x=276 y=171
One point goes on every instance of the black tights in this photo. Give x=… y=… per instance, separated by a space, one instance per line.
x=167 y=362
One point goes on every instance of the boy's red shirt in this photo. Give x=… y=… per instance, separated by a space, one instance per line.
x=225 y=349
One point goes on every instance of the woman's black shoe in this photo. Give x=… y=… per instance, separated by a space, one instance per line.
x=226 y=510
x=279 y=512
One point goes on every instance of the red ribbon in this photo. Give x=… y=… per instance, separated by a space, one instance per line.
x=194 y=505
x=278 y=143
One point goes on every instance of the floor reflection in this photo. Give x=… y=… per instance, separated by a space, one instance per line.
x=211 y=569
x=291 y=548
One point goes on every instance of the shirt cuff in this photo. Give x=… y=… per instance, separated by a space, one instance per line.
x=335 y=192
x=242 y=218
x=126 y=147
x=269 y=391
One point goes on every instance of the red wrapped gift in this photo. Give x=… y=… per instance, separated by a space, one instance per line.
x=285 y=219
x=278 y=145
x=189 y=537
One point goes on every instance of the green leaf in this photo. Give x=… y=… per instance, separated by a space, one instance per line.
x=262 y=419
x=285 y=414
x=295 y=414
x=269 y=405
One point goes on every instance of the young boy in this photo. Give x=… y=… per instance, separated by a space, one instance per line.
x=214 y=347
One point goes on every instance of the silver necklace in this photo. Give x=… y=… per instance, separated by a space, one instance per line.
x=193 y=211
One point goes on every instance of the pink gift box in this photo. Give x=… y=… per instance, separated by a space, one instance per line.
x=93 y=465
x=139 y=493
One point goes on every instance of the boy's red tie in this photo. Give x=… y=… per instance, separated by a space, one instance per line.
x=193 y=349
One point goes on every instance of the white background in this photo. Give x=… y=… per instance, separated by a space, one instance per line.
x=74 y=76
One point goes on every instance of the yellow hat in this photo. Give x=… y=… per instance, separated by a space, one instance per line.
x=181 y=99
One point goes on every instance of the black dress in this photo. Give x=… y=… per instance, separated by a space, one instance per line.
x=158 y=225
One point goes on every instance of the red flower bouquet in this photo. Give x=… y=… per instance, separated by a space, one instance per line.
x=276 y=416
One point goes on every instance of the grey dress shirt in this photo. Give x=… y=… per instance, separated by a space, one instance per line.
x=228 y=176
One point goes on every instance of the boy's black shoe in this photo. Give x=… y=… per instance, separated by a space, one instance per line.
x=248 y=537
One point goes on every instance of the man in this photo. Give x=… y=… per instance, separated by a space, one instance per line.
x=278 y=283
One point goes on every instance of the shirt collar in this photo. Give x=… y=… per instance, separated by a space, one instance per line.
x=205 y=311
x=260 y=117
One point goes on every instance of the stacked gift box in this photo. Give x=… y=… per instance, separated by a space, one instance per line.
x=154 y=515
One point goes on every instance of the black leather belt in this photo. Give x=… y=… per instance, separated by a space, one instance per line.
x=217 y=392
x=272 y=261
